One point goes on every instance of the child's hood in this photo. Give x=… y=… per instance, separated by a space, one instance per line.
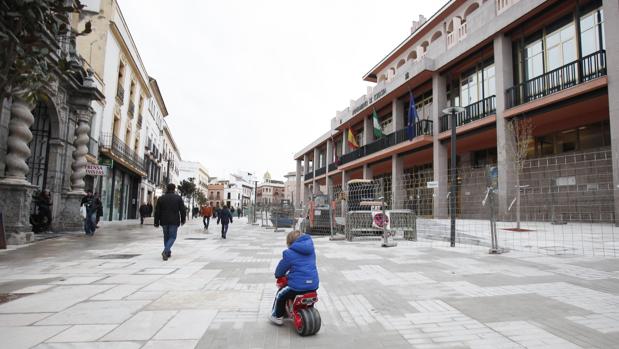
x=303 y=245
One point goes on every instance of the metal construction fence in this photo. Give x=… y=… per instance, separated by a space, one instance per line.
x=553 y=205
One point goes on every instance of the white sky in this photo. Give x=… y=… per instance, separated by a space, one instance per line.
x=249 y=83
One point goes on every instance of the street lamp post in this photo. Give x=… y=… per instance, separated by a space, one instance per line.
x=452 y=194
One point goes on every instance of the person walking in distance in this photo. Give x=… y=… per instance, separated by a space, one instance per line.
x=169 y=214
x=143 y=212
x=225 y=217
x=207 y=212
x=91 y=206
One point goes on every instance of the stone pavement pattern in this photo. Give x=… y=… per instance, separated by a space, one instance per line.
x=114 y=291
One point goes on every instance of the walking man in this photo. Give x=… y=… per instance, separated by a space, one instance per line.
x=91 y=206
x=143 y=212
x=225 y=217
x=207 y=212
x=169 y=213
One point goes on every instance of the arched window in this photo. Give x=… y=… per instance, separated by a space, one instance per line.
x=474 y=6
x=412 y=56
x=436 y=35
x=400 y=63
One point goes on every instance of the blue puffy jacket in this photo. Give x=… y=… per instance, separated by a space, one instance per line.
x=299 y=260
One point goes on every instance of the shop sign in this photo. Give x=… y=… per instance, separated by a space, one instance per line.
x=106 y=162
x=431 y=185
x=96 y=170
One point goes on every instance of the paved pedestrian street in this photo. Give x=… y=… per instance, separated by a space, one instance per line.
x=114 y=291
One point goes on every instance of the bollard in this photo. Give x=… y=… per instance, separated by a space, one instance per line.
x=2 y=236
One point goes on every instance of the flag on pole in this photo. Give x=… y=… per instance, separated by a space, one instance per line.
x=378 y=130
x=412 y=117
x=352 y=141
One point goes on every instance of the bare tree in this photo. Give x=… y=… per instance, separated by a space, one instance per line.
x=521 y=129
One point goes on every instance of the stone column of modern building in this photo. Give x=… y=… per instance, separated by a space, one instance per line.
x=611 y=31
x=439 y=150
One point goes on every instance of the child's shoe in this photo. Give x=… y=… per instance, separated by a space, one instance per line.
x=276 y=320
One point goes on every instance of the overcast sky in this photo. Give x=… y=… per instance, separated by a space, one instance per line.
x=249 y=83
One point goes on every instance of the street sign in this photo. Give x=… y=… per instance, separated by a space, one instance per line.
x=432 y=184
x=96 y=170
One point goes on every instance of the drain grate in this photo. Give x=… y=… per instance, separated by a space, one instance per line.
x=7 y=297
x=117 y=256
x=195 y=238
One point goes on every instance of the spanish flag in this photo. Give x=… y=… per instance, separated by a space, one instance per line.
x=352 y=141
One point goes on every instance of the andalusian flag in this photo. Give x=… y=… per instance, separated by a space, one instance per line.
x=352 y=141
x=378 y=130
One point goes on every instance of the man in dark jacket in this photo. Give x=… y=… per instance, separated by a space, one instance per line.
x=169 y=213
x=143 y=212
x=299 y=264
x=225 y=217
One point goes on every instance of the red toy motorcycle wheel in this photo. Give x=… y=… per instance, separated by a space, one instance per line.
x=310 y=322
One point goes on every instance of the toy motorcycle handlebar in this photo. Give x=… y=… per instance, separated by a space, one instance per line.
x=281 y=281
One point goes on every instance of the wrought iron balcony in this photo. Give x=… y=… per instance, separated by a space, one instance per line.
x=587 y=68
x=309 y=176
x=422 y=127
x=117 y=148
x=475 y=111
x=332 y=167
x=321 y=171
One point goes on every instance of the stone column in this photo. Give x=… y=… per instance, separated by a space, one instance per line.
x=367 y=172
x=505 y=159
x=611 y=31
x=439 y=102
x=397 y=112
x=298 y=185
x=304 y=191
x=15 y=191
x=20 y=136
x=316 y=162
x=345 y=179
x=69 y=217
x=329 y=154
x=79 y=154
x=368 y=131
x=398 y=195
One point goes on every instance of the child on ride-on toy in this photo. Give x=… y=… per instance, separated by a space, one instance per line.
x=299 y=262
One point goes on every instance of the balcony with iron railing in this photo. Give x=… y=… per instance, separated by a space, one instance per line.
x=116 y=148
x=309 y=176
x=321 y=171
x=422 y=128
x=475 y=111
x=332 y=167
x=587 y=68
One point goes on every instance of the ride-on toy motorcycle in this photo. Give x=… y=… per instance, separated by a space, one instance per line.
x=305 y=318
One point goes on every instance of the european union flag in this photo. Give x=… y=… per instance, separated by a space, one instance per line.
x=412 y=117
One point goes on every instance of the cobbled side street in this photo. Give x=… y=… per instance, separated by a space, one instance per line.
x=114 y=291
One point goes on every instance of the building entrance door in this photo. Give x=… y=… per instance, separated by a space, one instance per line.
x=39 y=147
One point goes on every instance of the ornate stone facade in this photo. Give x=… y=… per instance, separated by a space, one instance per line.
x=43 y=147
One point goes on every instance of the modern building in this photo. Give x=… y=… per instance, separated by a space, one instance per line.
x=552 y=62
x=197 y=171
x=290 y=186
x=127 y=131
